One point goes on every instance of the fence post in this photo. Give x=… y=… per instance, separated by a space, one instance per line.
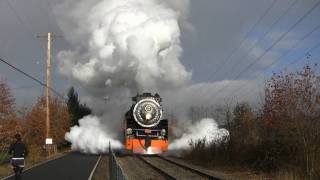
x=110 y=162
x=116 y=172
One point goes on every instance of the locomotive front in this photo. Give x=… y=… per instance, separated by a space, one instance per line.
x=145 y=131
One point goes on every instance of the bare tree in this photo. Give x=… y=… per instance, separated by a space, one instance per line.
x=291 y=115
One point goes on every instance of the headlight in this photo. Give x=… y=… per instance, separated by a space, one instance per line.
x=147 y=112
x=129 y=131
x=148 y=116
x=163 y=132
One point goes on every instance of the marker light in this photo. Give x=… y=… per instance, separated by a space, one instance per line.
x=129 y=131
x=163 y=132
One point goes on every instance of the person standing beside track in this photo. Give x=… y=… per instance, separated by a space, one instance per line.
x=19 y=151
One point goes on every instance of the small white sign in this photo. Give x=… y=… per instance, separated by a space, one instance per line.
x=48 y=140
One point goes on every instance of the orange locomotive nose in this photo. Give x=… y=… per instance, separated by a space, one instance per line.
x=147 y=131
x=138 y=145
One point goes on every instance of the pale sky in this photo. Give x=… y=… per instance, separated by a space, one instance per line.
x=219 y=27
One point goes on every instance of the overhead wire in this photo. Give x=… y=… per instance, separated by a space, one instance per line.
x=31 y=77
x=235 y=49
x=19 y=17
x=278 y=40
x=306 y=36
x=273 y=44
x=313 y=48
x=265 y=34
x=26 y=26
x=29 y=30
x=296 y=45
x=309 y=51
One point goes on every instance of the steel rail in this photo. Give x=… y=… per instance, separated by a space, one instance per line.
x=163 y=173
x=189 y=169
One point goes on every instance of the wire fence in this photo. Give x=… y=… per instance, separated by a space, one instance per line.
x=115 y=170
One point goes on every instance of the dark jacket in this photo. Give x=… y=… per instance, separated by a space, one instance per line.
x=18 y=149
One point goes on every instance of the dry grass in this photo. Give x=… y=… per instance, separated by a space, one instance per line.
x=286 y=175
x=5 y=170
x=102 y=171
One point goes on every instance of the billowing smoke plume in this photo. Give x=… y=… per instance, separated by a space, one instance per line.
x=88 y=134
x=206 y=128
x=121 y=47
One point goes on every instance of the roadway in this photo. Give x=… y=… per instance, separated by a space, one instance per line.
x=74 y=166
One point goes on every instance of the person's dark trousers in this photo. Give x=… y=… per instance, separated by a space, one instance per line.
x=18 y=172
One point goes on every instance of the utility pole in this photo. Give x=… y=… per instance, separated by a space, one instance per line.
x=48 y=86
x=49 y=140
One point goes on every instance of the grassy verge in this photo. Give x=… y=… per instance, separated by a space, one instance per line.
x=4 y=164
x=102 y=171
x=5 y=170
x=235 y=171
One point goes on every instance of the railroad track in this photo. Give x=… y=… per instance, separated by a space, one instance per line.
x=172 y=170
x=211 y=177
x=163 y=173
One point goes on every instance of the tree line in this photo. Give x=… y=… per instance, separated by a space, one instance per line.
x=30 y=122
x=281 y=135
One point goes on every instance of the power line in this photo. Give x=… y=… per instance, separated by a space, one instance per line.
x=266 y=12
x=313 y=48
x=295 y=46
x=30 y=77
x=265 y=34
x=275 y=43
x=309 y=51
x=29 y=30
x=279 y=39
x=19 y=17
x=26 y=26
x=285 y=54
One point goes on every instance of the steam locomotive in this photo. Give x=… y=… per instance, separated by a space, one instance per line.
x=145 y=131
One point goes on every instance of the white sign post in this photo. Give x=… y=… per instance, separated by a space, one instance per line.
x=48 y=141
x=48 y=145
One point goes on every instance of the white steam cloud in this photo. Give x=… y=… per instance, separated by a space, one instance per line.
x=206 y=128
x=123 y=44
x=90 y=136
x=121 y=47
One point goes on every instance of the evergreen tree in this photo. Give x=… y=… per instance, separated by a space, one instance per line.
x=84 y=110
x=75 y=108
